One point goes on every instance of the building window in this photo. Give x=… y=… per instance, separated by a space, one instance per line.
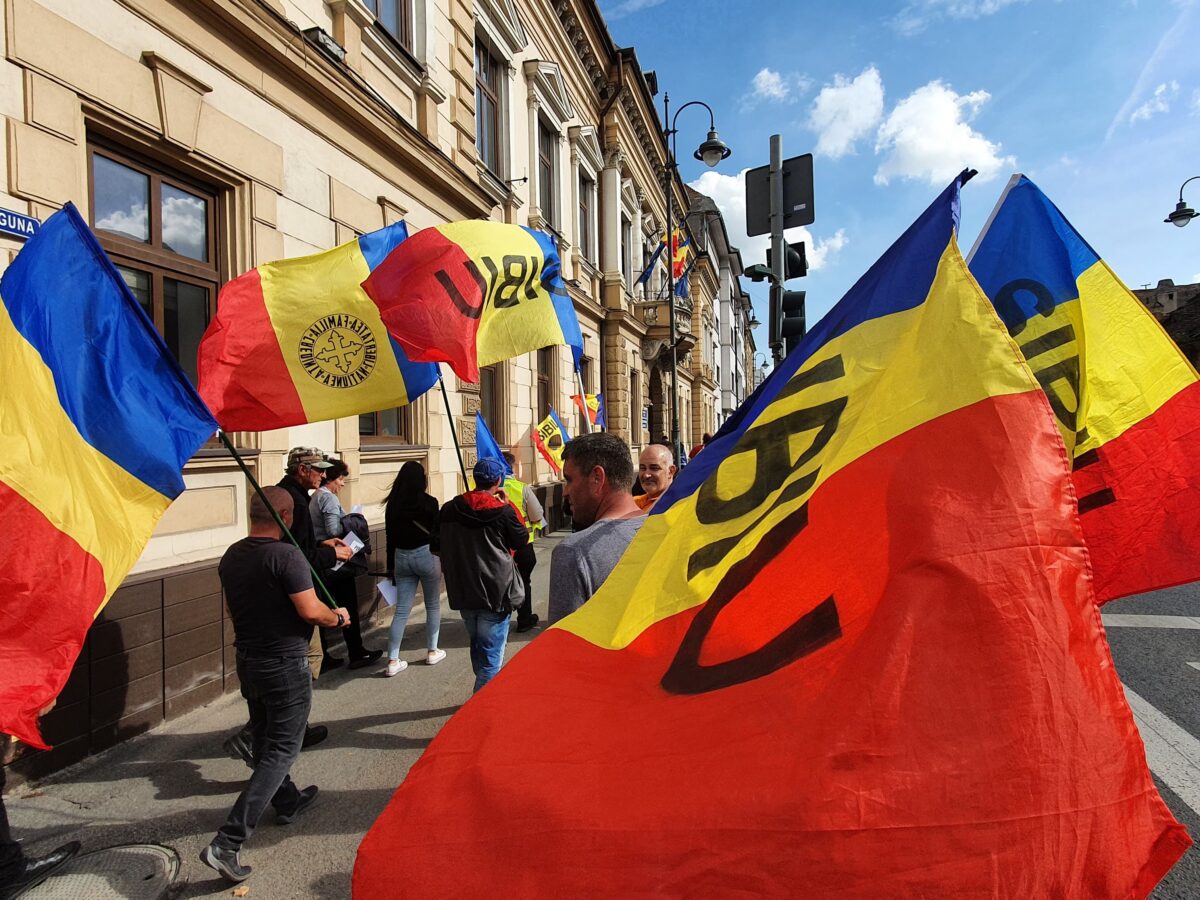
x=487 y=107
x=626 y=249
x=395 y=17
x=388 y=426
x=160 y=231
x=547 y=172
x=587 y=194
x=489 y=401
x=545 y=381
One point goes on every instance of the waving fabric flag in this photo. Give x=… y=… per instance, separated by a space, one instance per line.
x=592 y=407
x=485 y=444
x=550 y=437
x=473 y=293
x=97 y=420
x=299 y=341
x=853 y=652
x=1126 y=400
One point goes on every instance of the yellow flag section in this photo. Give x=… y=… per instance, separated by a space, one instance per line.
x=550 y=438
x=856 y=654
x=857 y=392
x=1126 y=400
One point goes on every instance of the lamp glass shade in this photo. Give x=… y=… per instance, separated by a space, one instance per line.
x=713 y=150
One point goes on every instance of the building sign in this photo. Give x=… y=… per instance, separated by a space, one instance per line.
x=645 y=418
x=18 y=225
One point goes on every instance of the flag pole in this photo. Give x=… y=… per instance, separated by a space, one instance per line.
x=322 y=591
x=587 y=415
x=453 y=432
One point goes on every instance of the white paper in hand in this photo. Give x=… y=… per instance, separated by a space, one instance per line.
x=354 y=542
x=387 y=590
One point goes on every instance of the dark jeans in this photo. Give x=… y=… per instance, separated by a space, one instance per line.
x=345 y=593
x=12 y=861
x=278 y=691
x=526 y=559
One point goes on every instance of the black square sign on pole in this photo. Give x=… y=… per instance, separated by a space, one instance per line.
x=797 y=195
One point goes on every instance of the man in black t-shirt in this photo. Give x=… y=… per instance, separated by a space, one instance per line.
x=273 y=606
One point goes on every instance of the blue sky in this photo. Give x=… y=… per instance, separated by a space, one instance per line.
x=1098 y=101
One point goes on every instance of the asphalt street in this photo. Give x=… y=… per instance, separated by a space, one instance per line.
x=175 y=785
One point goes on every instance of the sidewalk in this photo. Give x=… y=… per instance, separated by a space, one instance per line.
x=174 y=785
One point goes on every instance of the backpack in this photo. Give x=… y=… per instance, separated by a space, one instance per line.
x=358 y=563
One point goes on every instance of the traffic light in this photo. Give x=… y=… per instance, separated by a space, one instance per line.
x=795 y=261
x=792 y=326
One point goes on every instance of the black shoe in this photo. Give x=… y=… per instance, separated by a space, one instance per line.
x=529 y=623
x=241 y=746
x=226 y=862
x=308 y=797
x=313 y=735
x=38 y=869
x=366 y=659
x=329 y=663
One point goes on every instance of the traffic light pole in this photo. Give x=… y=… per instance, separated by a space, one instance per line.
x=778 y=257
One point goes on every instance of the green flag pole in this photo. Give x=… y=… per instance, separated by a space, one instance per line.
x=322 y=591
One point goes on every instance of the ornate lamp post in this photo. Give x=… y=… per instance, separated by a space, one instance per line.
x=1183 y=213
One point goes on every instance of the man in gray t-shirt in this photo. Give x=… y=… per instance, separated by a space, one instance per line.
x=597 y=475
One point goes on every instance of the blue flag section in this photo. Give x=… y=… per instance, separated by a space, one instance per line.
x=485 y=444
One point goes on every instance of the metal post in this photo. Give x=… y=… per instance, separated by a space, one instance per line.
x=778 y=260
x=669 y=185
x=453 y=432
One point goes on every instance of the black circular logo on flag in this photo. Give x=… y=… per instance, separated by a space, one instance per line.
x=338 y=350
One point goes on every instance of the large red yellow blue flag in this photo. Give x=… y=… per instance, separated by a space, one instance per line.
x=298 y=341
x=474 y=293
x=853 y=652
x=1127 y=401
x=97 y=420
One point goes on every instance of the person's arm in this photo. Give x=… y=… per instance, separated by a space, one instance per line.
x=314 y=612
x=534 y=514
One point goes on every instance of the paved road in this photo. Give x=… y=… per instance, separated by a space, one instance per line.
x=174 y=785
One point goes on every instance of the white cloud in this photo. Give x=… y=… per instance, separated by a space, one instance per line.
x=185 y=226
x=729 y=193
x=1159 y=102
x=132 y=222
x=1173 y=46
x=769 y=86
x=629 y=7
x=914 y=17
x=845 y=111
x=928 y=137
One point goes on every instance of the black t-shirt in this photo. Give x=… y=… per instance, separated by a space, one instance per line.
x=259 y=574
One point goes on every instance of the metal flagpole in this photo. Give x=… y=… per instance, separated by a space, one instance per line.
x=322 y=591
x=453 y=432
x=587 y=416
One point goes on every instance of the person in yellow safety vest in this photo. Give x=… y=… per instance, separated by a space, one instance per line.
x=525 y=500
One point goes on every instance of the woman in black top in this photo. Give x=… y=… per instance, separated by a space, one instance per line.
x=411 y=516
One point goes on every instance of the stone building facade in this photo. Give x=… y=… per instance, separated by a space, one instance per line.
x=203 y=137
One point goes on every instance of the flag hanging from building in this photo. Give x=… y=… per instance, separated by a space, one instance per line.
x=1127 y=401
x=680 y=243
x=486 y=446
x=592 y=406
x=298 y=341
x=853 y=649
x=550 y=437
x=97 y=420
x=474 y=293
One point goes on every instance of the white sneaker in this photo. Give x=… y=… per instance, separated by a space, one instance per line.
x=395 y=667
x=433 y=657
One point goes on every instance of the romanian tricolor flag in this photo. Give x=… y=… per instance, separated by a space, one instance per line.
x=591 y=405
x=299 y=341
x=96 y=420
x=680 y=243
x=854 y=651
x=550 y=437
x=1126 y=400
x=474 y=293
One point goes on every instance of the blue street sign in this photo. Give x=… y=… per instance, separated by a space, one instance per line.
x=18 y=225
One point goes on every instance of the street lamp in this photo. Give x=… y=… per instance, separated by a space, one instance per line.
x=711 y=152
x=1183 y=213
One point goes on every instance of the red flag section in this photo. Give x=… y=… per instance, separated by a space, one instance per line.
x=854 y=652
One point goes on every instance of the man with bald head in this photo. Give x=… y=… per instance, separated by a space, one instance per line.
x=656 y=471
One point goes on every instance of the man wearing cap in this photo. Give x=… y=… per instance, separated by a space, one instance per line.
x=479 y=534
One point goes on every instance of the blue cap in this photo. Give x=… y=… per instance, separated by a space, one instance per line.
x=488 y=471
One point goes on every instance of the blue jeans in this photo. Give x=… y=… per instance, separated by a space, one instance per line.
x=410 y=567
x=278 y=690
x=489 y=633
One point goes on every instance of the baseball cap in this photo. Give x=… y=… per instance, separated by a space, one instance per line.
x=307 y=456
x=488 y=471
